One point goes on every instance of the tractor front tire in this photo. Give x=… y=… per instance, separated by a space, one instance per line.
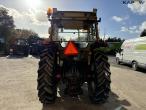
x=47 y=86
x=99 y=86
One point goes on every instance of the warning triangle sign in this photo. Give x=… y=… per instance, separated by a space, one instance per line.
x=70 y=49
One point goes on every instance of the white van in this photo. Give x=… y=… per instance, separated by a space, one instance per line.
x=133 y=52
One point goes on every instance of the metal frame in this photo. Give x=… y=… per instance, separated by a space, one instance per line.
x=87 y=18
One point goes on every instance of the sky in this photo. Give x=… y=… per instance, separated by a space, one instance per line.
x=119 y=18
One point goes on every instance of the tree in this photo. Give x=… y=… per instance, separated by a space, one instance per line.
x=24 y=33
x=114 y=39
x=33 y=39
x=143 y=33
x=6 y=25
x=21 y=34
x=6 y=22
x=8 y=31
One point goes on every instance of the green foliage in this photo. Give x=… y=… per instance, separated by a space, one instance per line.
x=143 y=33
x=6 y=21
x=103 y=49
x=115 y=45
x=6 y=26
x=114 y=39
x=8 y=31
x=33 y=39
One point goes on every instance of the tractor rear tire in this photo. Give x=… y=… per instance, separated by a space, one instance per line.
x=47 y=86
x=99 y=86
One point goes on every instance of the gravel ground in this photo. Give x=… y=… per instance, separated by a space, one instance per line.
x=18 y=89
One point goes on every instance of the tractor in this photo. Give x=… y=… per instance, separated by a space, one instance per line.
x=19 y=47
x=74 y=55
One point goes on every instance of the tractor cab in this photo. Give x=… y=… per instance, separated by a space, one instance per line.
x=80 y=27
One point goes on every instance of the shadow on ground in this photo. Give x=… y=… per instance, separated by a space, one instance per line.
x=15 y=57
x=83 y=103
x=21 y=56
x=129 y=67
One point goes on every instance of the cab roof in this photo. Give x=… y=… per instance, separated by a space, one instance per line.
x=74 y=19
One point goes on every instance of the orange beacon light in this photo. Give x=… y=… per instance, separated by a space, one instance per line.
x=50 y=11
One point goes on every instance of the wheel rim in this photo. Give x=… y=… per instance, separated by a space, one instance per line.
x=117 y=60
x=134 y=66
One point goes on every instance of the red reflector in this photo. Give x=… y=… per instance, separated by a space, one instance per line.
x=70 y=49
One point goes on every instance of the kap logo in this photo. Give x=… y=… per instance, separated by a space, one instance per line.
x=133 y=1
